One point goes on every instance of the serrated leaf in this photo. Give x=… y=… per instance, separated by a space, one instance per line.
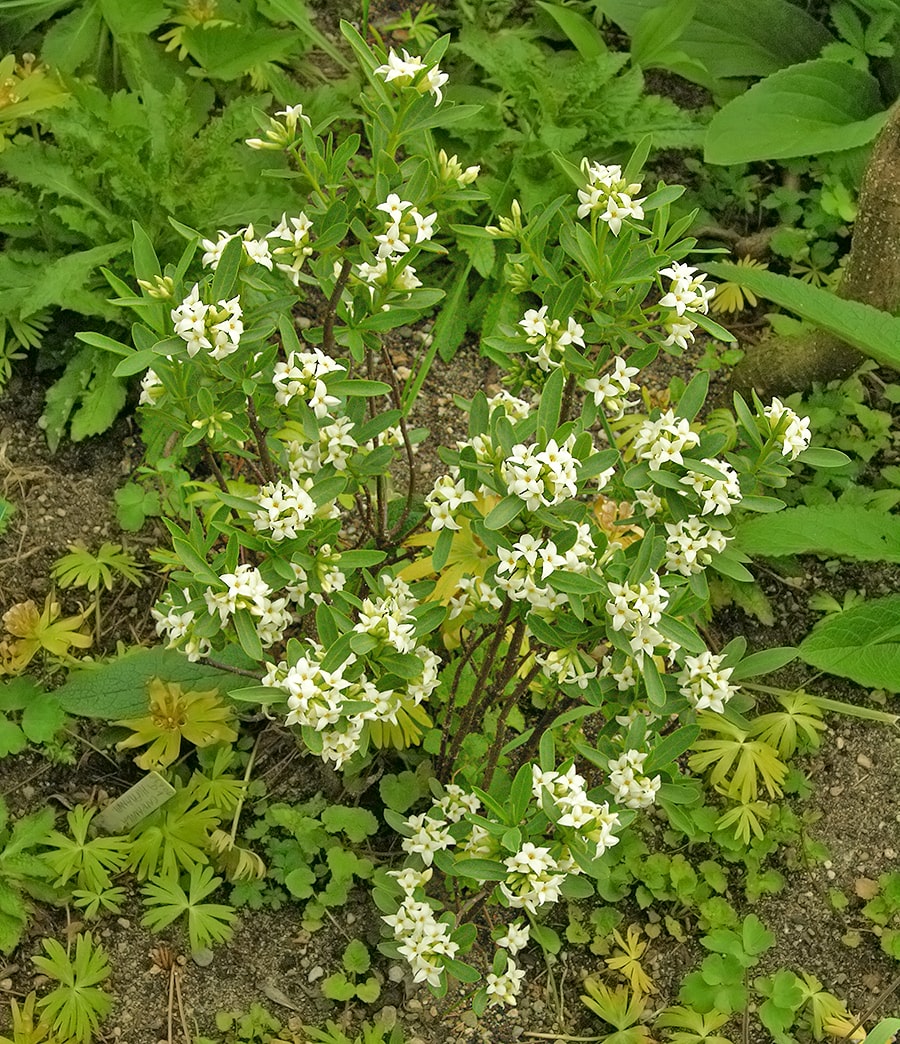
x=862 y=643
x=826 y=529
x=869 y=330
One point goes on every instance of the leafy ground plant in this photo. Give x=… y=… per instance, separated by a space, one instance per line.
x=76 y=1007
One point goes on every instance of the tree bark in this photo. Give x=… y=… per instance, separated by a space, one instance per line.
x=779 y=366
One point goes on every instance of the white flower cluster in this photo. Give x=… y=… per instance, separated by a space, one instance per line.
x=663 y=440
x=247 y=590
x=334 y=445
x=423 y=939
x=291 y=246
x=451 y=170
x=447 y=496
x=406 y=71
x=289 y=249
x=472 y=593
x=514 y=407
x=688 y=545
x=526 y=565
x=795 y=432
x=257 y=250
x=174 y=621
x=302 y=375
x=215 y=328
x=566 y=667
x=428 y=836
x=504 y=988
x=283 y=510
x=534 y=878
x=328 y=578
x=568 y=794
x=608 y=193
x=281 y=133
x=611 y=390
x=636 y=609
x=390 y=619
x=542 y=478
x=686 y=295
x=550 y=337
x=633 y=789
x=403 y=221
x=719 y=495
x=152 y=389
x=456 y=802
x=704 y=682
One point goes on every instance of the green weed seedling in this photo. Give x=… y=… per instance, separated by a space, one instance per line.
x=97 y=572
x=350 y=983
x=24 y=872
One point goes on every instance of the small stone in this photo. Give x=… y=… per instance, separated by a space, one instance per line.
x=315 y=973
x=6 y=984
x=202 y=958
x=889 y=853
x=413 y=1005
x=836 y=791
x=123 y=922
x=864 y=762
x=350 y=918
x=839 y=743
x=395 y=973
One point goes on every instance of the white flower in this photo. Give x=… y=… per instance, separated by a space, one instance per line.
x=516 y=937
x=795 y=433
x=704 y=682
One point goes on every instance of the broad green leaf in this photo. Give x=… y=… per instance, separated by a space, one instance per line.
x=733 y=37
x=814 y=107
x=118 y=689
x=827 y=529
x=862 y=644
x=867 y=329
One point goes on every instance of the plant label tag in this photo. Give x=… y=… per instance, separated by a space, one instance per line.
x=146 y=796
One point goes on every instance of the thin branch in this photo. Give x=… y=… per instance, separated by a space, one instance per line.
x=227 y=667
x=214 y=466
x=331 y=313
x=261 y=446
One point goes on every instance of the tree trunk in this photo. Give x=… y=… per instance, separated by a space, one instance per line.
x=779 y=366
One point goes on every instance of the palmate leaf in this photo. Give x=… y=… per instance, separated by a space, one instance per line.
x=737 y=763
x=91 y=861
x=173 y=839
x=77 y=1005
x=207 y=923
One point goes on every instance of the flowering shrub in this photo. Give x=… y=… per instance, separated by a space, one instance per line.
x=560 y=573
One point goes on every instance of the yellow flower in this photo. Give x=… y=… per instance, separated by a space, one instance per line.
x=199 y=717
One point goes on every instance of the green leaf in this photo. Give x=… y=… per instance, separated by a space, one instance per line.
x=43 y=718
x=764 y=662
x=356 y=823
x=12 y=739
x=227 y=269
x=826 y=529
x=817 y=106
x=585 y=36
x=118 y=689
x=101 y=400
x=501 y=515
x=862 y=643
x=356 y=959
x=734 y=38
x=869 y=330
